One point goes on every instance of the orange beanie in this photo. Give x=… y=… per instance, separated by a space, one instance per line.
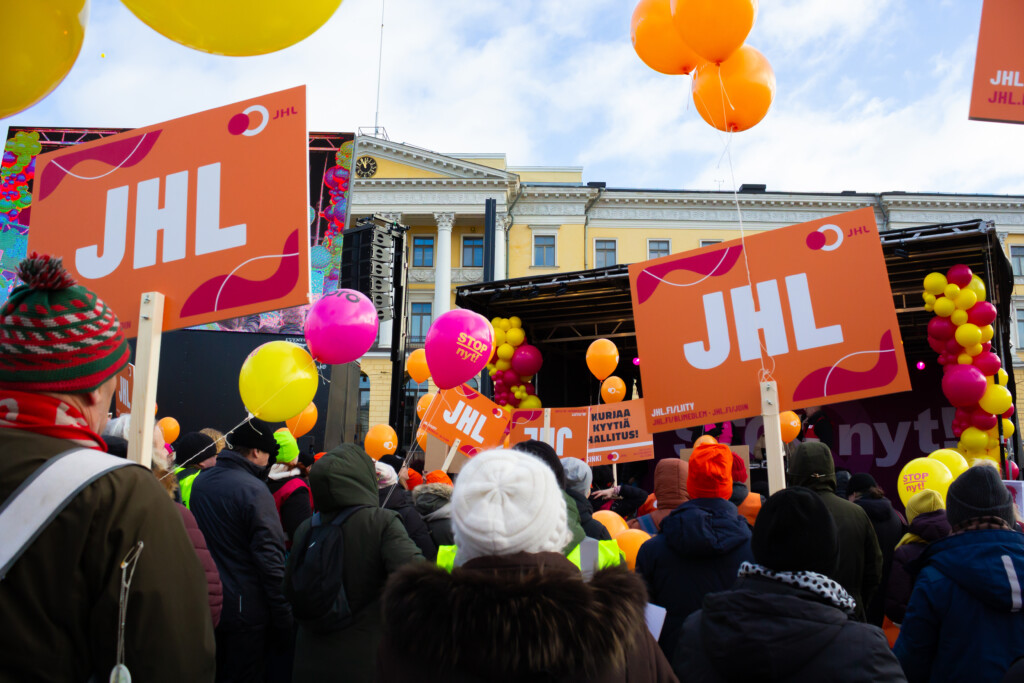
x=710 y=474
x=415 y=479
x=437 y=477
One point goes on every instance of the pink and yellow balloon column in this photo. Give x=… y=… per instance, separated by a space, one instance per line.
x=513 y=366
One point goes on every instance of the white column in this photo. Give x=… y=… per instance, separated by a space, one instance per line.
x=385 y=327
x=443 y=264
x=501 y=225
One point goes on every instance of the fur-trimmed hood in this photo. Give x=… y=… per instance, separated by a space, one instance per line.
x=522 y=617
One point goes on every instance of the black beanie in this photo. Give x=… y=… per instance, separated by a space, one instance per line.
x=192 y=448
x=254 y=433
x=546 y=453
x=860 y=482
x=795 y=532
x=978 y=492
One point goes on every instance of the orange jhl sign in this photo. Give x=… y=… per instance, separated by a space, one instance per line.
x=209 y=209
x=599 y=435
x=808 y=306
x=123 y=394
x=464 y=414
x=998 y=92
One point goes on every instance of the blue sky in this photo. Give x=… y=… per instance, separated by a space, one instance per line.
x=872 y=95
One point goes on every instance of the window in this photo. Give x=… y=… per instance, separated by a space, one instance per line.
x=420 y=322
x=708 y=243
x=1020 y=327
x=423 y=252
x=657 y=248
x=1017 y=261
x=364 y=407
x=604 y=253
x=472 y=252
x=544 y=250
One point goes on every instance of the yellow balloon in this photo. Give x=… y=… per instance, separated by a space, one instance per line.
x=1001 y=377
x=929 y=298
x=944 y=307
x=234 y=27
x=996 y=400
x=956 y=463
x=504 y=325
x=964 y=359
x=530 y=403
x=951 y=291
x=278 y=380
x=965 y=299
x=974 y=350
x=923 y=473
x=495 y=321
x=973 y=439
x=499 y=337
x=42 y=42
x=515 y=336
x=977 y=285
x=968 y=335
x=503 y=364
x=987 y=333
x=959 y=317
x=515 y=322
x=929 y=307
x=506 y=351
x=1008 y=428
x=935 y=283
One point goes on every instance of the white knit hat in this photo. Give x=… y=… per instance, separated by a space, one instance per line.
x=507 y=502
x=385 y=474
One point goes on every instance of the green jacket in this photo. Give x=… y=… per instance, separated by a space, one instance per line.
x=859 y=565
x=376 y=544
x=573 y=517
x=60 y=599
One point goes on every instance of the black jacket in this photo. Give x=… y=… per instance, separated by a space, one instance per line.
x=434 y=503
x=763 y=630
x=400 y=501
x=236 y=513
x=296 y=508
x=592 y=527
x=889 y=528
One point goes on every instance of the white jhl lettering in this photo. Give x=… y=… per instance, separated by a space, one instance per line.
x=750 y=321
x=151 y=219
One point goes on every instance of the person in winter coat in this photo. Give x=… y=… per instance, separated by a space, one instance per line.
x=622 y=499
x=193 y=453
x=701 y=544
x=513 y=608
x=546 y=453
x=964 y=621
x=889 y=529
x=236 y=514
x=578 y=479
x=60 y=599
x=669 y=491
x=376 y=545
x=749 y=504
x=859 y=569
x=433 y=502
x=289 y=485
x=785 y=619
x=393 y=497
x=215 y=589
x=928 y=524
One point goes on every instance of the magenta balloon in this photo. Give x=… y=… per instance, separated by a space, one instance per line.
x=458 y=346
x=1009 y=412
x=941 y=328
x=986 y=347
x=511 y=378
x=982 y=420
x=341 y=326
x=988 y=363
x=953 y=347
x=963 y=414
x=937 y=345
x=959 y=275
x=980 y=314
x=958 y=430
x=527 y=360
x=964 y=385
x=533 y=392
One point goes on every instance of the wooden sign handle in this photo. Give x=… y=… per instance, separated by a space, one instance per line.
x=147 y=368
x=451 y=455
x=773 y=437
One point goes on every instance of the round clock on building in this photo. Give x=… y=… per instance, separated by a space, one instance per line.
x=366 y=167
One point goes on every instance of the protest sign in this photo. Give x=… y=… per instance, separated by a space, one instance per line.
x=123 y=394
x=465 y=415
x=998 y=90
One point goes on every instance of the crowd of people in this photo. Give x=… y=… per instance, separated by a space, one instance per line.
x=236 y=558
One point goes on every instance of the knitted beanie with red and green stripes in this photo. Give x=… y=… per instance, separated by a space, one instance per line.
x=56 y=335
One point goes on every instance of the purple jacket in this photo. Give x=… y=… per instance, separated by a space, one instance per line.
x=931 y=526
x=214 y=588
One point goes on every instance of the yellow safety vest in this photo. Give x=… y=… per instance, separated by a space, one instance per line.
x=608 y=555
x=185 y=485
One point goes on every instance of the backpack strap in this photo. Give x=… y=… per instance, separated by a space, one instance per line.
x=647 y=524
x=41 y=497
x=344 y=514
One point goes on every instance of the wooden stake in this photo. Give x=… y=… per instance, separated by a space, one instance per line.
x=615 y=473
x=773 y=437
x=451 y=456
x=147 y=369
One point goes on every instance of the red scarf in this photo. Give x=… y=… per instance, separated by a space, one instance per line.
x=46 y=415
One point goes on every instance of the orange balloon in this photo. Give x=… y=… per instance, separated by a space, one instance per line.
x=416 y=366
x=737 y=94
x=423 y=404
x=613 y=390
x=170 y=428
x=790 y=425
x=612 y=521
x=629 y=542
x=656 y=40
x=705 y=439
x=421 y=441
x=303 y=422
x=381 y=440
x=714 y=29
x=602 y=358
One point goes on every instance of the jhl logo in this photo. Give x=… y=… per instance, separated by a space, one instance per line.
x=467 y=420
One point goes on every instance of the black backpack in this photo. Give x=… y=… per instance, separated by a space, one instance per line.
x=317 y=591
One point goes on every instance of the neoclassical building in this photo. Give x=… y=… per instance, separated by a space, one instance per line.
x=550 y=220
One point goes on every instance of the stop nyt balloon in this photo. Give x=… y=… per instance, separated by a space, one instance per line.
x=657 y=42
x=458 y=346
x=737 y=94
x=341 y=327
x=714 y=29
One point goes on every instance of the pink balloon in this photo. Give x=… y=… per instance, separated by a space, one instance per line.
x=936 y=345
x=986 y=347
x=527 y=360
x=501 y=401
x=988 y=363
x=458 y=346
x=983 y=420
x=958 y=430
x=963 y=385
x=1009 y=413
x=528 y=387
x=941 y=328
x=953 y=347
x=1014 y=471
x=980 y=314
x=341 y=326
x=511 y=378
x=959 y=275
x=964 y=414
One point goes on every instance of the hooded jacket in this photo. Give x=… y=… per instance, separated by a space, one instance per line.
x=859 y=565
x=376 y=545
x=236 y=513
x=591 y=527
x=521 y=617
x=699 y=550
x=434 y=503
x=964 y=621
x=764 y=630
x=889 y=529
x=398 y=499
x=930 y=527
x=669 y=490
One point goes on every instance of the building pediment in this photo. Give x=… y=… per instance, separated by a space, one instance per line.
x=409 y=162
